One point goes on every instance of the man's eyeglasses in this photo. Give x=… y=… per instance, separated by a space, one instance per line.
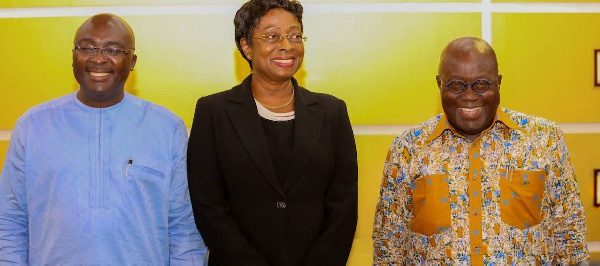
x=109 y=52
x=273 y=38
x=459 y=86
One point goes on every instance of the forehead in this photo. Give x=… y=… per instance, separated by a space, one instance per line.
x=278 y=18
x=467 y=64
x=103 y=31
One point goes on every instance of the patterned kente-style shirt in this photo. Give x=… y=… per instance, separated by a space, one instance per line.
x=508 y=198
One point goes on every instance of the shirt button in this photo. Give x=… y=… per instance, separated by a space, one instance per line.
x=477 y=250
x=475 y=212
x=281 y=205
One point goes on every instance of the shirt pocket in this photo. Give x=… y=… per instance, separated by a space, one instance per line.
x=521 y=193
x=431 y=206
x=143 y=170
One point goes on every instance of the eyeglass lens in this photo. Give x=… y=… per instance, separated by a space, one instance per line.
x=458 y=86
x=90 y=51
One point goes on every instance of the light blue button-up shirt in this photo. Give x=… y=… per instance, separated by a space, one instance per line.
x=102 y=186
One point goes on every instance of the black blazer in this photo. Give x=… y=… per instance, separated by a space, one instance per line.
x=245 y=216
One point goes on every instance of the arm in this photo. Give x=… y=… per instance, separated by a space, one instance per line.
x=219 y=229
x=569 y=216
x=341 y=201
x=14 y=222
x=391 y=227
x=185 y=244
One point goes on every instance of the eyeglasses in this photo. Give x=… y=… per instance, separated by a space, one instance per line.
x=273 y=38
x=109 y=52
x=459 y=86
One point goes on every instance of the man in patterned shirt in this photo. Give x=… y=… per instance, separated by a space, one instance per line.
x=478 y=184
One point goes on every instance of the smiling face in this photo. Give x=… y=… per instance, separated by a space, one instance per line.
x=102 y=78
x=469 y=59
x=275 y=62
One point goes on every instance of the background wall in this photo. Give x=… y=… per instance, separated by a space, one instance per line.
x=379 y=56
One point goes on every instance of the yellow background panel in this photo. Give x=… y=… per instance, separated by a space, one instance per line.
x=382 y=65
x=583 y=149
x=3 y=149
x=547 y=62
x=181 y=58
x=36 y=63
x=357 y=57
x=371 y=156
x=58 y=3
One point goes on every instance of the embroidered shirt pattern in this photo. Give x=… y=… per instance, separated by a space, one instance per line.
x=508 y=198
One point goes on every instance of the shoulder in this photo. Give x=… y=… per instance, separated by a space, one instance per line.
x=152 y=110
x=418 y=134
x=46 y=108
x=412 y=142
x=532 y=123
x=320 y=99
x=235 y=94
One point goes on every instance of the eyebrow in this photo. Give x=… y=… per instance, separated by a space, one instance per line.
x=276 y=27
x=109 y=43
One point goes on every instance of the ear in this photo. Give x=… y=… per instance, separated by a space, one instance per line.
x=499 y=80
x=246 y=48
x=133 y=61
x=438 y=79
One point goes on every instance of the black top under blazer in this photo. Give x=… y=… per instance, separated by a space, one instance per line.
x=245 y=216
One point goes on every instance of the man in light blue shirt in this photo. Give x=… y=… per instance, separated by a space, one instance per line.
x=98 y=176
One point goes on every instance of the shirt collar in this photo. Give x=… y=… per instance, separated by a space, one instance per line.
x=444 y=124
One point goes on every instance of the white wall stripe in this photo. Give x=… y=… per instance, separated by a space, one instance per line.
x=393 y=8
x=594 y=247
x=546 y=8
x=5 y=135
x=373 y=130
x=486 y=21
x=486 y=6
x=580 y=128
x=43 y=12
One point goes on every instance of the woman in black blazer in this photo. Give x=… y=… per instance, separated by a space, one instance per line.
x=272 y=166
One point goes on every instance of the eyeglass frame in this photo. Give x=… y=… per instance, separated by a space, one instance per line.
x=281 y=36
x=121 y=52
x=467 y=84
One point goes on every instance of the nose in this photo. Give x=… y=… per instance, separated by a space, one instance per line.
x=470 y=93
x=285 y=43
x=99 y=56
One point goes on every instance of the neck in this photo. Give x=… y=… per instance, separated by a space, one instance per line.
x=275 y=97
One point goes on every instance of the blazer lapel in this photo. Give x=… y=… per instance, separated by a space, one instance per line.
x=307 y=132
x=247 y=125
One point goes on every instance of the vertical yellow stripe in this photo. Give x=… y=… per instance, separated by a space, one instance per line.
x=475 y=201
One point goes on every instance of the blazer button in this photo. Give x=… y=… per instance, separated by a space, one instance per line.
x=281 y=205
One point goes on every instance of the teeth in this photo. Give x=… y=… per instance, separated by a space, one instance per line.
x=96 y=74
x=286 y=61
x=470 y=110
